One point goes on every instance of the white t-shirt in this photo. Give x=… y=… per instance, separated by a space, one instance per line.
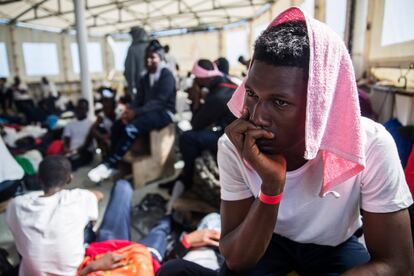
x=49 y=231
x=307 y=218
x=77 y=131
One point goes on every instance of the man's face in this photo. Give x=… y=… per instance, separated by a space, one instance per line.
x=202 y=82
x=151 y=61
x=81 y=111
x=276 y=100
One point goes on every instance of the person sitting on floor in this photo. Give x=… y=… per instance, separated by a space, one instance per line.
x=77 y=146
x=49 y=226
x=210 y=116
x=300 y=163
x=153 y=109
x=101 y=130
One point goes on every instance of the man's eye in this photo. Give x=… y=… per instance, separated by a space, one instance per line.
x=281 y=103
x=250 y=93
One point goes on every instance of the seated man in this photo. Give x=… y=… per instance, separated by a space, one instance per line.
x=101 y=130
x=153 y=109
x=77 y=146
x=210 y=116
x=48 y=227
x=300 y=163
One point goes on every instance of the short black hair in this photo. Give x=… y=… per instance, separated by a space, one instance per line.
x=54 y=171
x=84 y=103
x=167 y=48
x=286 y=44
x=206 y=64
x=155 y=47
x=223 y=65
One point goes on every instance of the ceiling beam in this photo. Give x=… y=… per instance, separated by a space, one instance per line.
x=35 y=6
x=92 y=7
x=154 y=18
x=5 y=2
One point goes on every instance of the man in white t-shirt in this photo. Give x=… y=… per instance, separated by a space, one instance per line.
x=49 y=226
x=76 y=137
x=274 y=217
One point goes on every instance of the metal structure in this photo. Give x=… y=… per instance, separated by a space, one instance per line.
x=108 y=17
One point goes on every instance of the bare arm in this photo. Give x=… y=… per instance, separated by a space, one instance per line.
x=247 y=225
x=108 y=262
x=98 y=194
x=66 y=144
x=389 y=243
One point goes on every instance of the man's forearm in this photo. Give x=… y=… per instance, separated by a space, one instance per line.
x=88 y=269
x=245 y=245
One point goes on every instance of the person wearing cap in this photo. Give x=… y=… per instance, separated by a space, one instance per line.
x=210 y=116
x=153 y=108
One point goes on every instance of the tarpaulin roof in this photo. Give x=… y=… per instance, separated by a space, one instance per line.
x=108 y=17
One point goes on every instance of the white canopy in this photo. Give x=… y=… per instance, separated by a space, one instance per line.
x=110 y=17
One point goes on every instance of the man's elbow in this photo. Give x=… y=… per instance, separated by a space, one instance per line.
x=237 y=261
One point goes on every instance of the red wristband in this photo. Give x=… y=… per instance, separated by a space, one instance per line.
x=272 y=200
x=184 y=241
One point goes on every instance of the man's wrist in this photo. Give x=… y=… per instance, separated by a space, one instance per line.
x=271 y=189
x=185 y=240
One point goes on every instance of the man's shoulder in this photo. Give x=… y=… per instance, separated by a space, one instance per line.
x=26 y=198
x=375 y=134
x=77 y=193
x=165 y=72
x=224 y=144
x=370 y=127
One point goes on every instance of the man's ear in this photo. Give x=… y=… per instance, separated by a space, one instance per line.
x=70 y=178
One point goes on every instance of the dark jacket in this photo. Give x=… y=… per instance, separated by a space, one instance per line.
x=214 y=112
x=161 y=96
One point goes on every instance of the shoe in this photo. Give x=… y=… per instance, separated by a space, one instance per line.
x=100 y=173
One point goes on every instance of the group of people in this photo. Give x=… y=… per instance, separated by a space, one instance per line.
x=301 y=173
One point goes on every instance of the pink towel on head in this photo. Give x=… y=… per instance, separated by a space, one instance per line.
x=332 y=112
x=200 y=72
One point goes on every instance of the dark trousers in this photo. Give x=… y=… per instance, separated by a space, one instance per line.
x=184 y=268
x=284 y=255
x=9 y=189
x=82 y=158
x=192 y=143
x=142 y=125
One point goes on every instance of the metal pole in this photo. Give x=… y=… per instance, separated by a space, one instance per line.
x=82 y=38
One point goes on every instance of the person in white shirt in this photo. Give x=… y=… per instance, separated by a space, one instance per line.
x=49 y=226
x=48 y=88
x=76 y=137
x=278 y=212
x=171 y=61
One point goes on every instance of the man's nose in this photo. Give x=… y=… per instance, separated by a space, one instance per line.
x=260 y=116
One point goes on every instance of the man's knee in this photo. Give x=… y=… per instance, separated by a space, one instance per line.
x=188 y=139
x=123 y=188
x=188 y=136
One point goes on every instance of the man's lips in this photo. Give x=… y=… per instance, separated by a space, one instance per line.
x=266 y=146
